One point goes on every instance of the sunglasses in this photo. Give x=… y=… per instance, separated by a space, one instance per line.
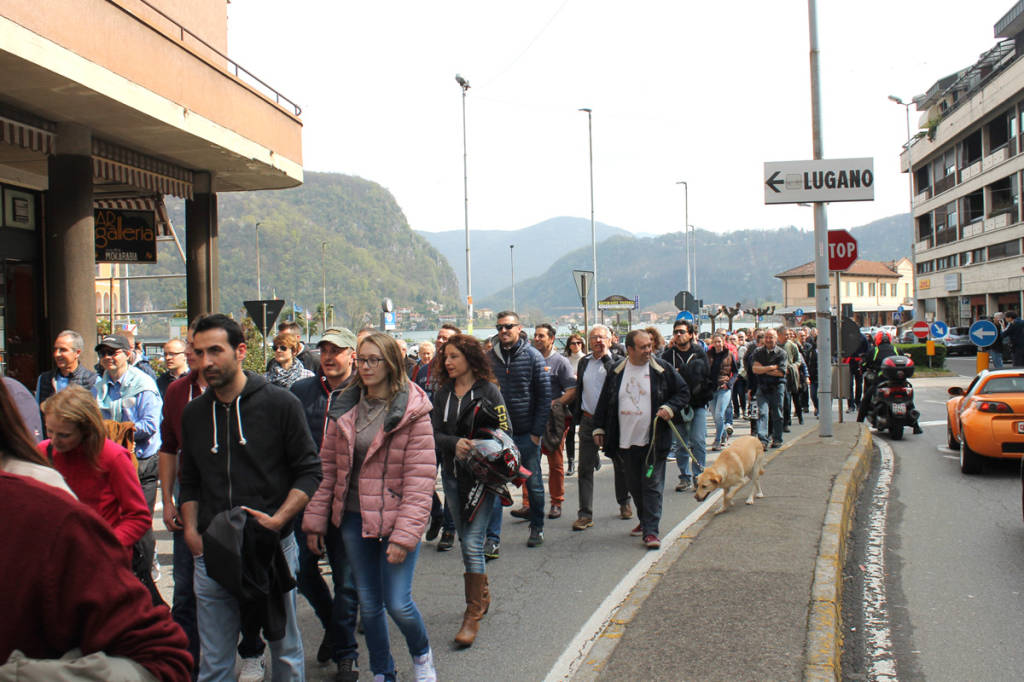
x=506 y=327
x=107 y=352
x=282 y=347
x=575 y=343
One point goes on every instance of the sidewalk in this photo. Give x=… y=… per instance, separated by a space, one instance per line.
x=737 y=597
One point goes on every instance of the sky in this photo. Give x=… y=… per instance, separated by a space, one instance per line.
x=681 y=90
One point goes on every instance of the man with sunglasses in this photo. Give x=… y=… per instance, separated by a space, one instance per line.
x=526 y=390
x=687 y=357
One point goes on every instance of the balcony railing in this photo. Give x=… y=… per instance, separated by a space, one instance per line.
x=942 y=184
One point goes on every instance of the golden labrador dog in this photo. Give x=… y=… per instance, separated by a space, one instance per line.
x=737 y=465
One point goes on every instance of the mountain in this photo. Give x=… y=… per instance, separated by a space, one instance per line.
x=535 y=248
x=371 y=252
x=733 y=266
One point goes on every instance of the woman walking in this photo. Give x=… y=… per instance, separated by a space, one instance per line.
x=286 y=368
x=18 y=453
x=467 y=400
x=379 y=468
x=575 y=349
x=723 y=372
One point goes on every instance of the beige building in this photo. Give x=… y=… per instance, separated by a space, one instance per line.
x=876 y=290
x=109 y=105
x=966 y=172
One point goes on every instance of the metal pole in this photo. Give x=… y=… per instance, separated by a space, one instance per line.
x=686 y=231
x=593 y=229
x=913 y=226
x=259 y=283
x=464 y=84
x=323 y=266
x=821 y=290
x=512 y=260
x=839 y=340
x=586 y=327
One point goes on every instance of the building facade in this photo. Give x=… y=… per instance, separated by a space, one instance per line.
x=113 y=104
x=878 y=291
x=966 y=168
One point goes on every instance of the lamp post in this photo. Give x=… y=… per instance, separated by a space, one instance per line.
x=593 y=230
x=259 y=285
x=464 y=85
x=688 y=249
x=323 y=267
x=512 y=260
x=910 y=177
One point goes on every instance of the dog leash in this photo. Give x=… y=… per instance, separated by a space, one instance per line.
x=650 y=448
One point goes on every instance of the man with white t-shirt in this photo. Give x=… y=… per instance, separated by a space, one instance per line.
x=638 y=392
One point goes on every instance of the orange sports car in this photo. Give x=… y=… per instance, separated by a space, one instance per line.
x=987 y=418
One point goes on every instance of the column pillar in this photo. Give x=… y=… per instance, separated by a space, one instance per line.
x=69 y=241
x=202 y=282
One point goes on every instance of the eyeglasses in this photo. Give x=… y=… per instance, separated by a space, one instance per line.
x=107 y=352
x=171 y=355
x=680 y=331
x=370 y=362
x=506 y=327
x=282 y=347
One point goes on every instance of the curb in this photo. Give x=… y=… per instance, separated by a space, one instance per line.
x=607 y=638
x=824 y=620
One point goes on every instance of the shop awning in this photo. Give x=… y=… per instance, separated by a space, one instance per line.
x=151 y=203
x=114 y=164
x=26 y=136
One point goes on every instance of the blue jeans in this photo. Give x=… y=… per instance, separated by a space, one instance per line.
x=719 y=404
x=383 y=585
x=471 y=535
x=336 y=614
x=996 y=356
x=529 y=457
x=441 y=510
x=220 y=626
x=770 y=397
x=695 y=432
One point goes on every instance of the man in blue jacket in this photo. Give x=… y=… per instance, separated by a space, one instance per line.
x=526 y=389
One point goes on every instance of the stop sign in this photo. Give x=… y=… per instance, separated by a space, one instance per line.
x=920 y=329
x=842 y=249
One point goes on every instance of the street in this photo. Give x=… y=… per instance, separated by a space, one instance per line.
x=953 y=557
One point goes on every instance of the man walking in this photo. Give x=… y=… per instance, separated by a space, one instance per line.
x=176 y=362
x=244 y=443
x=687 y=358
x=639 y=391
x=67 y=351
x=769 y=365
x=591 y=374
x=526 y=390
x=337 y=615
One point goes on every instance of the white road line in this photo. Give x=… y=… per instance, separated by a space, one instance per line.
x=936 y=422
x=574 y=654
x=882 y=663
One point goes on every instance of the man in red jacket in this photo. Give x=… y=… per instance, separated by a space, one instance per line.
x=68 y=586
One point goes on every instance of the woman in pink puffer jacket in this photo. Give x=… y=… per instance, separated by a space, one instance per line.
x=379 y=470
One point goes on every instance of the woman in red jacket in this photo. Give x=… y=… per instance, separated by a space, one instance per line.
x=98 y=470
x=379 y=469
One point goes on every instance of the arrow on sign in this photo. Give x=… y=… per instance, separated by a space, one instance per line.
x=773 y=182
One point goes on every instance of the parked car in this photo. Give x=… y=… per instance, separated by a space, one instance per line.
x=986 y=419
x=958 y=342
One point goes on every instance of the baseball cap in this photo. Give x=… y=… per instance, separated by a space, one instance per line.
x=340 y=337
x=115 y=342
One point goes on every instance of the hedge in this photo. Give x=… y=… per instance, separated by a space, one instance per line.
x=918 y=353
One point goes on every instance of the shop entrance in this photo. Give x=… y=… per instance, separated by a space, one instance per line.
x=19 y=337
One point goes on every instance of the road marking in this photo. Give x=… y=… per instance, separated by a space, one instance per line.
x=936 y=422
x=882 y=662
x=574 y=654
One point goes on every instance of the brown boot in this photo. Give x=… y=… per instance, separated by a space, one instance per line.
x=476 y=606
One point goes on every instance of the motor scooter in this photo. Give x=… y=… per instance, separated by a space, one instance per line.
x=892 y=401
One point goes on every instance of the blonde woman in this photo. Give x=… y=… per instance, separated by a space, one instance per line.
x=286 y=367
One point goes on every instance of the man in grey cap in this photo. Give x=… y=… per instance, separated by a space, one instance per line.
x=338 y=615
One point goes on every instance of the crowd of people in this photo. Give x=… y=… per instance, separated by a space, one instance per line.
x=333 y=455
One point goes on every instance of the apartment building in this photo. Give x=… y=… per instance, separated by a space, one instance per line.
x=106 y=107
x=876 y=290
x=966 y=166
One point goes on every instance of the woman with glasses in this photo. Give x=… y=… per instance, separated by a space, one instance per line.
x=575 y=349
x=467 y=400
x=286 y=368
x=379 y=469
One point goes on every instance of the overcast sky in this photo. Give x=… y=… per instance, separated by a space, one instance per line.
x=704 y=92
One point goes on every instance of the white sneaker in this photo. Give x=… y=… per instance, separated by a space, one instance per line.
x=252 y=670
x=423 y=668
x=154 y=572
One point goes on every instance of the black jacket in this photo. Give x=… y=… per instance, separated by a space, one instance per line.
x=448 y=431
x=608 y=359
x=83 y=376
x=525 y=386
x=250 y=452
x=668 y=389
x=694 y=367
x=316 y=398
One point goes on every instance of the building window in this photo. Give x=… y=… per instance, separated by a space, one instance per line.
x=810 y=290
x=972 y=257
x=906 y=291
x=924 y=227
x=999 y=132
x=922 y=178
x=925 y=267
x=971 y=149
x=1004 y=250
x=846 y=291
x=974 y=206
x=946 y=224
x=860 y=288
x=871 y=288
x=1003 y=197
x=892 y=289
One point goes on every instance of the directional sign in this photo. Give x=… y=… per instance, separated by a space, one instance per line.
x=842 y=250
x=796 y=182
x=686 y=315
x=897 y=316
x=983 y=333
x=920 y=329
x=939 y=330
x=799 y=312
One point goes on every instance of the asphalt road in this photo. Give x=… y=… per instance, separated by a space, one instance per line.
x=954 y=557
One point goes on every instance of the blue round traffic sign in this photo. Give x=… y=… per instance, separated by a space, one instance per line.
x=685 y=315
x=799 y=312
x=939 y=329
x=899 y=309
x=983 y=333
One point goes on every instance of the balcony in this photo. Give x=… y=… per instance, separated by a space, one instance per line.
x=997 y=157
x=923 y=245
x=970 y=171
x=974 y=228
x=923 y=196
x=942 y=184
x=997 y=222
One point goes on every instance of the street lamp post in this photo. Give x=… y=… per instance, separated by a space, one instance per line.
x=259 y=285
x=910 y=177
x=686 y=234
x=464 y=85
x=593 y=229
x=512 y=260
x=323 y=267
